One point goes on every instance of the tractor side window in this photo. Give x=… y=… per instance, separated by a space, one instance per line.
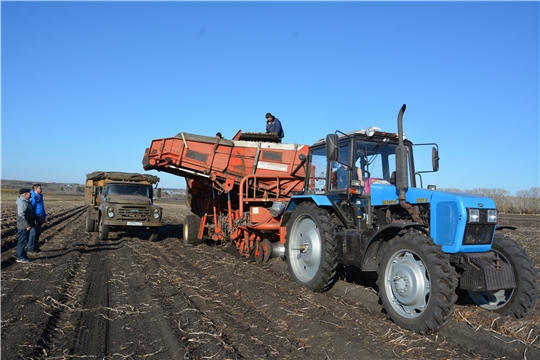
x=317 y=172
x=340 y=170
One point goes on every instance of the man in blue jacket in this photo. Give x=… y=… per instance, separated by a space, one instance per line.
x=36 y=198
x=273 y=126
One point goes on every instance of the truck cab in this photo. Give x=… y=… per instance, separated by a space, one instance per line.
x=122 y=200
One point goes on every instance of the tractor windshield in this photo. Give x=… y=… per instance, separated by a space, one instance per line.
x=375 y=159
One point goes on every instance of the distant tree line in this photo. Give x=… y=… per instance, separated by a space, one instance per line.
x=525 y=201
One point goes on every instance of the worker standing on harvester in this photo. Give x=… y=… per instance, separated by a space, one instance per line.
x=273 y=126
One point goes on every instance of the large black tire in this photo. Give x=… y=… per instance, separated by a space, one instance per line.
x=90 y=224
x=311 y=247
x=103 y=231
x=417 y=284
x=153 y=233
x=191 y=230
x=516 y=302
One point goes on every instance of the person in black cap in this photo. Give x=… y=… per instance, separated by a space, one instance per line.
x=273 y=126
x=218 y=135
x=26 y=220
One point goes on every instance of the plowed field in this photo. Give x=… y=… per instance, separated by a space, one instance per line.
x=129 y=298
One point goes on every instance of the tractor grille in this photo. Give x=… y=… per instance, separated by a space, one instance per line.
x=476 y=234
x=134 y=213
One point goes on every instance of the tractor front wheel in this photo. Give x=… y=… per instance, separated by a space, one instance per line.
x=519 y=301
x=416 y=283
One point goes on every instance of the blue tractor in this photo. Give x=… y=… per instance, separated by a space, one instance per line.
x=361 y=207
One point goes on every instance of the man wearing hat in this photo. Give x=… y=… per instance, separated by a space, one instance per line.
x=26 y=220
x=273 y=126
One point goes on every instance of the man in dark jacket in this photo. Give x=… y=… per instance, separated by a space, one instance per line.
x=273 y=126
x=26 y=220
x=36 y=198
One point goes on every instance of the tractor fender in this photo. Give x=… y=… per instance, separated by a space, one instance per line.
x=321 y=201
x=380 y=239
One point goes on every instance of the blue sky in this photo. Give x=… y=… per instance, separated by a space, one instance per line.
x=86 y=86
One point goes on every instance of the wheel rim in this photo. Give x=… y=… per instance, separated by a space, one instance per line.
x=407 y=284
x=305 y=248
x=186 y=231
x=492 y=300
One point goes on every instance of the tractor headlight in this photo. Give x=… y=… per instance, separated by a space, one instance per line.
x=110 y=212
x=157 y=215
x=371 y=131
x=474 y=215
x=492 y=216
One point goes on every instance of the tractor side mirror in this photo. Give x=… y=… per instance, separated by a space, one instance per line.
x=435 y=158
x=332 y=147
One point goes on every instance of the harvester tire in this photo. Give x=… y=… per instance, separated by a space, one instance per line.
x=516 y=302
x=191 y=230
x=417 y=284
x=90 y=224
x=311 y=247
x=153 y=233
x=103 y=231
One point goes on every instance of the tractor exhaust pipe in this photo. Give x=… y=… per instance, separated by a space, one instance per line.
x=402 y=171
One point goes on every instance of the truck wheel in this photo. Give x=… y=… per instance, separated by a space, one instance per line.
x=103 y=232
x=191 y=230
x=416 y=283
x=514 y=302
x=89 y=222
x=153 y=233
x=311 y=247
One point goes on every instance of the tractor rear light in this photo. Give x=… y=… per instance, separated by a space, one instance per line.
x=474 y=215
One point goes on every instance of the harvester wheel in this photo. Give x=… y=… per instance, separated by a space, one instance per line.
x=191 y=230
x=416 y=283
x=516 y=302
x=153 y=233
x=259 y=253
x=311 y=247
x=103 y=232
x=90 y=224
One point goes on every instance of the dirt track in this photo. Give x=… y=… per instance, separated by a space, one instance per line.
x=128 y=298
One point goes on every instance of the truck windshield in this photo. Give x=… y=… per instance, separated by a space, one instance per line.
x=121 y=189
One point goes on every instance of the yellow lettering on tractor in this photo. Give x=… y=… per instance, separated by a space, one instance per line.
x=422 y=200
x=389 y=202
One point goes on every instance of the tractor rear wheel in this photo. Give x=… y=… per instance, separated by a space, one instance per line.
x=516 y=302
x=191 y=230
x=416 y=283
x=311 y=247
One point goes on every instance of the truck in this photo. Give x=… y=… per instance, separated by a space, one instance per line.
x=352 y=200
x=121 y=200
